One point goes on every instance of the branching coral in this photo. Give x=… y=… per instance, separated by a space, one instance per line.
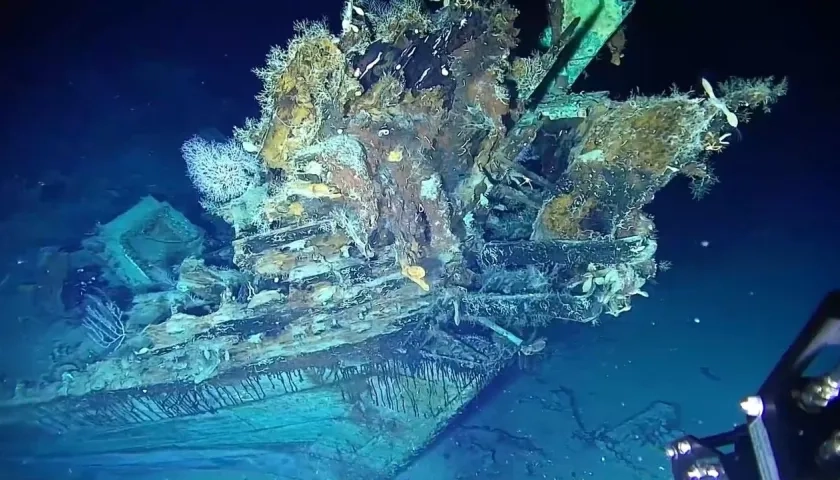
x=528 y=72
x=302 y=83
x=220 y=171
x=392 y=19
x=740 y=93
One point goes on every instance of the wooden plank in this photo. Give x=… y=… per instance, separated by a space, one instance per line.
x=562 y=252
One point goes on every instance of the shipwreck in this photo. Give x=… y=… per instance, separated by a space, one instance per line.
x=413 y=205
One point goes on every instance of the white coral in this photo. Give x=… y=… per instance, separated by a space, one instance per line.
x=220 y=171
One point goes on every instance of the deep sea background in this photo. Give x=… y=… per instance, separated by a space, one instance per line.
x=97 y=98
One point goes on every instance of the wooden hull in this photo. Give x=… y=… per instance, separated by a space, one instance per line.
x=367 y=419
